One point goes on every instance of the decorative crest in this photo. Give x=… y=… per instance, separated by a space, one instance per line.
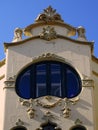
x=48 y=15
x=48 y=33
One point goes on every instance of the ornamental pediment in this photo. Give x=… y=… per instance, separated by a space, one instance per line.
x=49 y=15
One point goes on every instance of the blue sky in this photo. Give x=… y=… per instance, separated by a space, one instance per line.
x=21 y=13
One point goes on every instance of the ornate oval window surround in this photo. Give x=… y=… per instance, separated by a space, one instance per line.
x=48 y=77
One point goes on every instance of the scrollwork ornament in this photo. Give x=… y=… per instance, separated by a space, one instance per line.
x=49 y=15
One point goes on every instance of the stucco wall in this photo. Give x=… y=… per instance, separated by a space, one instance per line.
x=2 y=95
x=95 y=78
x=78 y=55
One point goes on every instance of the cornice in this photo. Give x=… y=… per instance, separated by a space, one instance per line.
x=2 y=62
x=28 y=28
x=6 y=45
x=95 y=59
x=95 y=73
x=2 y=76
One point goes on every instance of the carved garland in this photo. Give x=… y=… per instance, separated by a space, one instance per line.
x=48 y=105
x=31 y=103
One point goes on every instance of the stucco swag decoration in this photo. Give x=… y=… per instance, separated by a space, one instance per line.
x=49 y=15
x=48 y=33
x=48 y=102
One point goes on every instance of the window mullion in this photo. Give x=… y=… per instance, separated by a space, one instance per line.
x=48 y=78
x=33 y=82
x=63 y=81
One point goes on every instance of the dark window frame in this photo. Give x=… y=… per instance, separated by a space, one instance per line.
x=50 y=125
x=63 y=70
x=78 y=127
x=19 y=128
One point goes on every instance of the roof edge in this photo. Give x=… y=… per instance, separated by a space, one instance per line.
x=2 y=62
x=34 y=25
x=95 y=59
x=6 y=45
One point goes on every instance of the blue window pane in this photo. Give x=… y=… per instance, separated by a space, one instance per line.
x=73 y=86
x=55 y=80
x=41 y=80
x=24 y=85
x=48 y=78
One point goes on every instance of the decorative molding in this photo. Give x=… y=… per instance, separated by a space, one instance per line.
x=31 y=112
x=48 y=56
x=66 y=110
x=78 y=122
x=48 y=15
x=10 y=83
x=48 y=116
x=48 y=33
x=95 y=59
x=29 y=105
x=88 y=83
x=2 y=76
x=91 y=44
x=12 y=78
x=95 y=73
x=19 y=122
x=48 y=103
x=74 y=100
x=2 y=62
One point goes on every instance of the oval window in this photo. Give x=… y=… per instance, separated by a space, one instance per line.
x=48 y=78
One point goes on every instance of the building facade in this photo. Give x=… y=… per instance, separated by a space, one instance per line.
x=48 y=80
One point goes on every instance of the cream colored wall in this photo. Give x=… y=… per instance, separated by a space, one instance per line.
x=95 y=77
x=19 y=56
x=59 y=30
x=2 y=70
x=78 y=55
x=2 y=95
x=82 y=110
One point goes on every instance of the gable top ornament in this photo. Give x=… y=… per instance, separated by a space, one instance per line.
x=49 y=15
